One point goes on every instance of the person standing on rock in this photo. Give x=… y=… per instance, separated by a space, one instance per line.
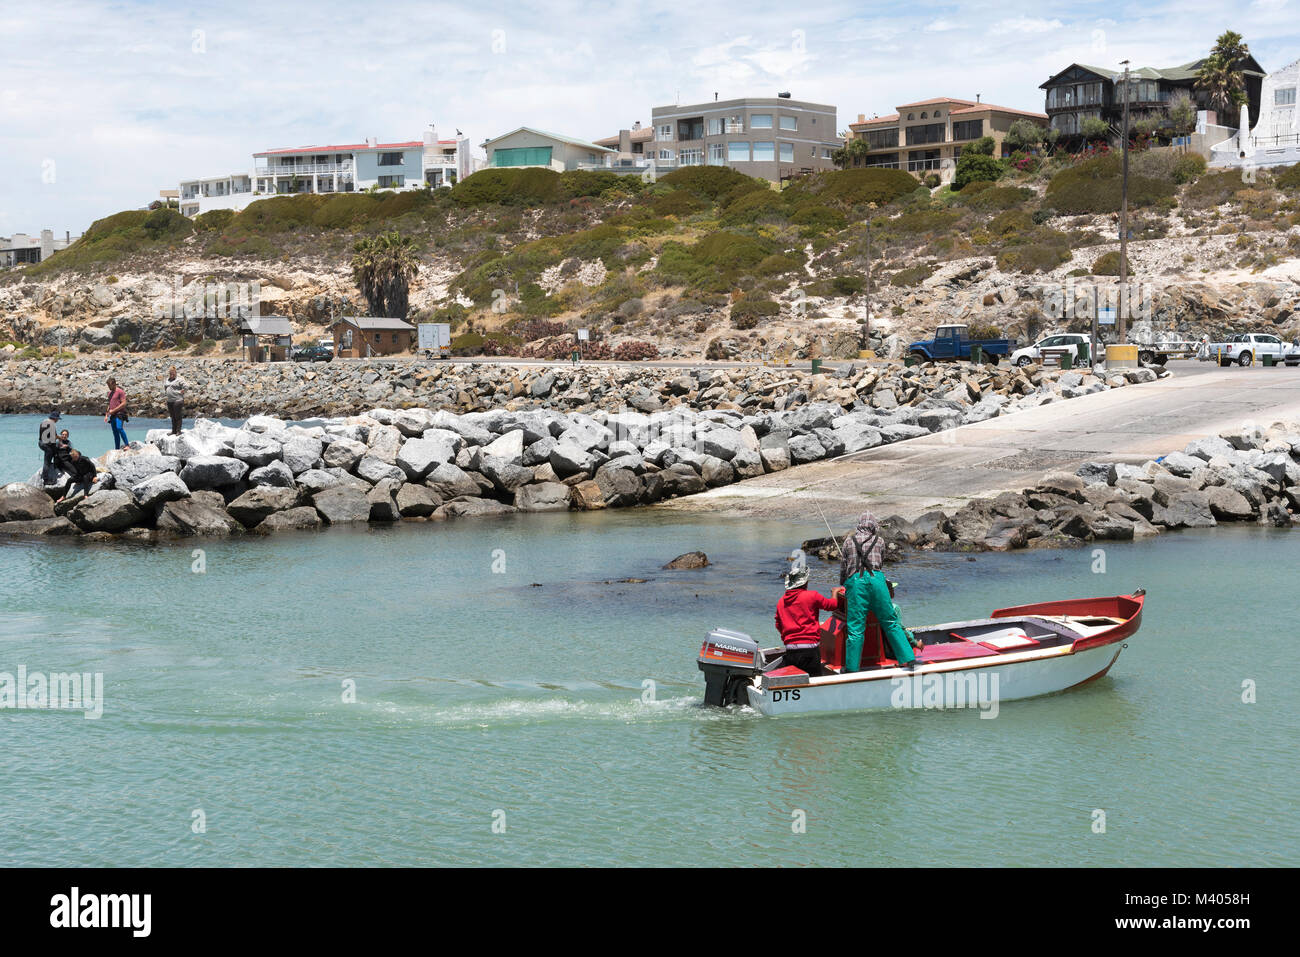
x=116 y=415
x=862 y=575
x=174 y=393
x=47 y=437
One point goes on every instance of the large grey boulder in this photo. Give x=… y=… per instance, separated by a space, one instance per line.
x=1186 y=510
x=213 y=471
x=470 y=432
x=1209 y=447
x=374 y=470
x=504 y=474
x=109 y=511
x=20 y=502
x=509 y=447
x=473 y=508
x=542 y=497
x=1229 y=505
x=900 y=431
x=569 y=458
x=195 y=516
x=276 y=473
x=166 y=487
x=316 y=480
x=384 y=442
x=720 y=443
x=257 y=503
x=301 y=453
x=131 y=466
x=775 y=459
x=806 y=448
x=304 y=516
x=342 y=504
x=1182 y=464
x=618 y=486
x=57 y=525
x=344 y=454
x=858 y=437
x=418 y=457
x=255 y=449
x=416 y=501
x=450 y=481
x=383 y=501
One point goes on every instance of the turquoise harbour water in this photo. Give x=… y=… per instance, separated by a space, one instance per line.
x=500 y=669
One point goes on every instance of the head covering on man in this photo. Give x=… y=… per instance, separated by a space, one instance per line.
x=797 y=577
x=864 y=550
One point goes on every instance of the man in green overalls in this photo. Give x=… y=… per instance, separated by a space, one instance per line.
x=867 y=592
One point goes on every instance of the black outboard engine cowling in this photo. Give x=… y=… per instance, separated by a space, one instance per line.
x=729 y=660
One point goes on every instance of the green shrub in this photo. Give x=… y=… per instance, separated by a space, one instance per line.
x=746 y=313
x=1043 y=215
x=1107 y=264
x=932 y=180
x=974 y=166
x=754 y=205
x=677 y=202
x=1213 y=189
x=1289 y=178
x=214 y=220
x=995 y=197
x=1010 y=221
x=848 y=284
x=911 y=276
x=983 y=146
x=204 y=347
x=855 y=187
x=711 y=182
x=526 y=186
x=1032 y=258
x=589 y=182
x=1094 y=186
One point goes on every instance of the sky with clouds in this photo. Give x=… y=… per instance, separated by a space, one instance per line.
x=104 y=103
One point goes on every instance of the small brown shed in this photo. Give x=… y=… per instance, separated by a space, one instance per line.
x=358 y=337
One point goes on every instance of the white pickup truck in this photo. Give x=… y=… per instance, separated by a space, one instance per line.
x=1250 y=347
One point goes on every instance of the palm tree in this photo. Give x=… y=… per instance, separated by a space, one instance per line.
x=383 y=267
x=1220 y=75
x=850 y=154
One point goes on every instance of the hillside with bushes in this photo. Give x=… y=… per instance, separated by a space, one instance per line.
x=704 y=260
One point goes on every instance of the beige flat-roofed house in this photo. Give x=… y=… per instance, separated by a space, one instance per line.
x=774 y=138
x=928 y=135
x=529 y=147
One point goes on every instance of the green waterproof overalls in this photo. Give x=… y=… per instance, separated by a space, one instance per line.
x=867 y=592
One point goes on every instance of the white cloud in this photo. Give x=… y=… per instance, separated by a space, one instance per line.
x=940 y=26
x=1024 y=25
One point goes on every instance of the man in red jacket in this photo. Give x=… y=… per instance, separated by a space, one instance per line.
x=797 y=621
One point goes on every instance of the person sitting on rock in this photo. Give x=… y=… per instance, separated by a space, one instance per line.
x=62 y=448
x=84 y=474
x=797 y=621
x=867 y=592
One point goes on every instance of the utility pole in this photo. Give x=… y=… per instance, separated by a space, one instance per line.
x=1123 y=225
x=866 y=323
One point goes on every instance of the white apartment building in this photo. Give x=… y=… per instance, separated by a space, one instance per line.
x=342 y=168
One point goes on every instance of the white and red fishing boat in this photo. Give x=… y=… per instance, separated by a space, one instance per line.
x=1018 y=652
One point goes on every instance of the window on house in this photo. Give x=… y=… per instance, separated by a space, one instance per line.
x=910 y=117
x=394 y=338
x=717 y=154
x=789 y=123
x=882 y=139
x=738 y=152
x=787 y=152
x=716 y=126
x=968 y=130
x=347 y=339
x=1284 y=96
x=665 y=133
x=930 y=133
x=760 y=121
x=390 y=159
x=764 y=152
x=923 y=116
x=665 y=154
x=392 y=181
x=522 y=156
x=692 y=129
x=691 y=157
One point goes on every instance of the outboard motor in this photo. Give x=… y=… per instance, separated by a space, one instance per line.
x=729 y=659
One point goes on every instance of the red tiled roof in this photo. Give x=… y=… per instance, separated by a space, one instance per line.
x=643 y=135
x=891 y=118
x=980 y=107
x=349 y=147
x=933 y=100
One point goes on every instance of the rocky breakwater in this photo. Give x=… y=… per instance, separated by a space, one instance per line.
x=230 y=388
x=389 y=465
x=1245 y=474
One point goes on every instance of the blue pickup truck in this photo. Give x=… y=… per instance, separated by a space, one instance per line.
x=954 y=342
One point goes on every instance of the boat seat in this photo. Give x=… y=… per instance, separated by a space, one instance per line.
x=835 y=633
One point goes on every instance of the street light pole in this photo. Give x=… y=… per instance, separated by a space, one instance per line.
x=865 y=344
x=1123 y=223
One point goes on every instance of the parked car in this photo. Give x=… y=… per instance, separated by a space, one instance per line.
x=313 y=354
x=1023 y=357
x=954 y=342
x=1247 y=348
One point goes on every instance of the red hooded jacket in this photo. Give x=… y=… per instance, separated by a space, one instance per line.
x=796 y=616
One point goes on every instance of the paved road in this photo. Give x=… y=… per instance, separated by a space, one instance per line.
x=1132 y=424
